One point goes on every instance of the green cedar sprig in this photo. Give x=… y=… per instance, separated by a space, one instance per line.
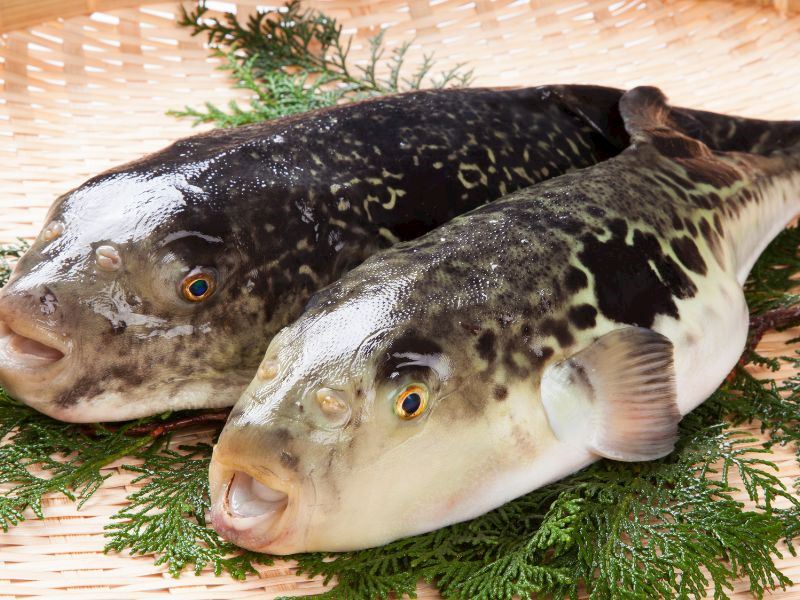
x=10 y=251
x=274 y=94
x=287 y=38
x=292 y=60
x=166 y=516
x=773 y=277
x=40 y=456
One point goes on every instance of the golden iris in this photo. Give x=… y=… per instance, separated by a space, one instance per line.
x=196 y=287
x=411 y=402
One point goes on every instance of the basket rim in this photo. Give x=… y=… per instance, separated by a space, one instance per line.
x=22 y=14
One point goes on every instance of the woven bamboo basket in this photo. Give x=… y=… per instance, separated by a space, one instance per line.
x=86 y=84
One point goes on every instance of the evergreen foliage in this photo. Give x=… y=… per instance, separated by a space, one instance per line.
x=292 y=60
x=166 y=517
x=10 y=251
x=67 y=458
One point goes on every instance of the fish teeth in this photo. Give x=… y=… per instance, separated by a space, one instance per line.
x=266 y=493
x=250 y=498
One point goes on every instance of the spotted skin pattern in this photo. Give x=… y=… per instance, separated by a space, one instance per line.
x=278 y=210
x=658 y=237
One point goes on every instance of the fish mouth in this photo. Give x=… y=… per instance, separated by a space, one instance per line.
x=29 y=347
x=252 y=511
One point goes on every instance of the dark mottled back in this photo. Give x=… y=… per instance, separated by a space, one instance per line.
x=534 y=277
x=626 y=234
x=274 y=211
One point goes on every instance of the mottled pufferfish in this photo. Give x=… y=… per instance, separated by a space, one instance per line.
x=157 y=285
x=576 y=319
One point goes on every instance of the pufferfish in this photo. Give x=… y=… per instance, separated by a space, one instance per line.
x=576 y=319
x=157 y=285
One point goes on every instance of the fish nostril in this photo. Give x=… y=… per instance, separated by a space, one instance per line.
x=331 y=402
x=268 y=369
x=53 y=230
x=108 y=258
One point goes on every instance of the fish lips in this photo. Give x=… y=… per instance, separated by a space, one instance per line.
x=31 y=356
x=255 y=509
x=34 y=358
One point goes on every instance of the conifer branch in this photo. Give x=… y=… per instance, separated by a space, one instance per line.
x=291 y=60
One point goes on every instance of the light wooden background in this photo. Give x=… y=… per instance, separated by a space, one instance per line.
x=89 y=91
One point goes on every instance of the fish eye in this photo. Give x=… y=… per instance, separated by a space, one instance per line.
x=411 y=402
x=198 y=285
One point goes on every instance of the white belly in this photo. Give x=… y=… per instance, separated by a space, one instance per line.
x=708 y=338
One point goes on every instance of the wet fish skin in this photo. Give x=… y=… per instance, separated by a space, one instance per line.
x=277 y=210
x=574 y=319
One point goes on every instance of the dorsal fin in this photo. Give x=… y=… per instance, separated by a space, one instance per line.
x=646 y=115
x=643 y=109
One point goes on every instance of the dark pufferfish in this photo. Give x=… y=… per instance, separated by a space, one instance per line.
x=578 y=318
x=158 y=284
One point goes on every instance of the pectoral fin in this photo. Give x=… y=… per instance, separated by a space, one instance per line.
x=617 y=397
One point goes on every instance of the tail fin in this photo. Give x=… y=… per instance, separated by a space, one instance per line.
x=600 y=108
x=737 y=134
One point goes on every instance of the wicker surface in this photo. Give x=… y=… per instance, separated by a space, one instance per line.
x=85 y=93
